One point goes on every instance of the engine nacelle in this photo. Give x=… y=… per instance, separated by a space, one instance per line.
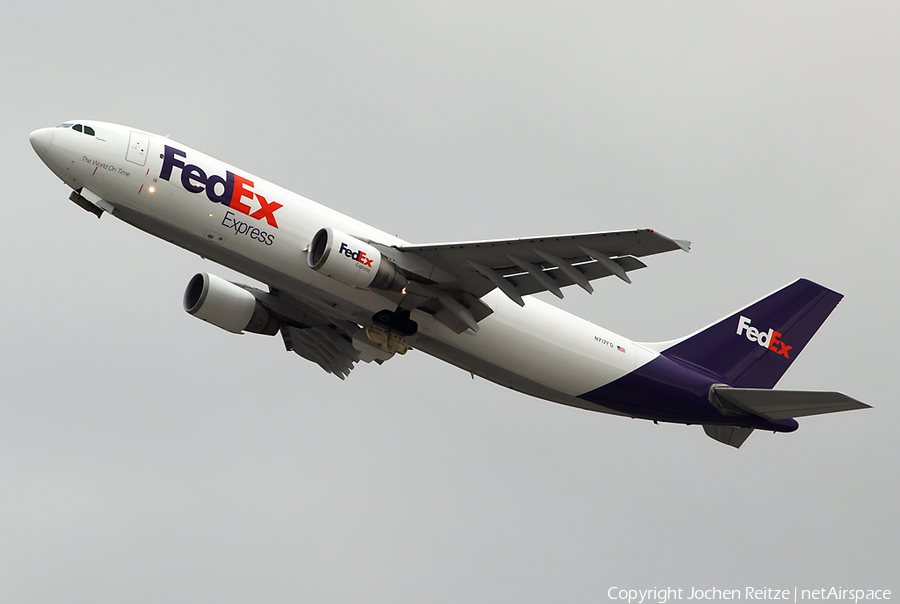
x=351 y=261
x=227 y=305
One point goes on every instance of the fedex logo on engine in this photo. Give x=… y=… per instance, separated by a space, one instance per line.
x=359 y=256
x=766 y=339
x=233 y=188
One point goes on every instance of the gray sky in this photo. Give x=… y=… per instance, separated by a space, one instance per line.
x=147 y=456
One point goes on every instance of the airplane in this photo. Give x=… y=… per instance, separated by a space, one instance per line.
x=339 y=291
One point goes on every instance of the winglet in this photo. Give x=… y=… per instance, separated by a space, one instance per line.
x=684 y=244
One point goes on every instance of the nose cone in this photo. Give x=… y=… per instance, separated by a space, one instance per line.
x=41 y=140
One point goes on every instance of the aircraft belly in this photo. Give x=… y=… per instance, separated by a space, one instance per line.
x=548 y=345
x=494 y=373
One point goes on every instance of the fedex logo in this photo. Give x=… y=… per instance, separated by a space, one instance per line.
x=766 y=339
x=359 y=256
x=233 y=188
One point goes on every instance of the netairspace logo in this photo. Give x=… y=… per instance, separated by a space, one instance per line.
x=795 y=595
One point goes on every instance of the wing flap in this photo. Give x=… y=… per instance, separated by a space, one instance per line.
x=526 y=284
x=323 y=346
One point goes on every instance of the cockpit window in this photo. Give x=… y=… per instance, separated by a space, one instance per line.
x=79 y=128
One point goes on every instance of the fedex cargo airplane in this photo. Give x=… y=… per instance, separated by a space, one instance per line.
x=340 y=291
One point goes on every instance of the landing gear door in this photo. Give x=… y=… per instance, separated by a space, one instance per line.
x=137 y=148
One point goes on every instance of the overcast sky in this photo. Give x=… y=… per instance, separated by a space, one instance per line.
x=148 y=456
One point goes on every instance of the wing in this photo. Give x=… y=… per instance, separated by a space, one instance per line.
x=333 y=344
x=466 y=271
x=448 y=280
x=640 y=242
x=327 y=346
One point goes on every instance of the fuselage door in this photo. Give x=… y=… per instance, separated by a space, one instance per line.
x=137 y=148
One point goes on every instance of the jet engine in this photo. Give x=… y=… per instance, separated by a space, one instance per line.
x=351 y=261
x=227 y=305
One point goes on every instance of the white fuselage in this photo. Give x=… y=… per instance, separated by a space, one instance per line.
x=537 y=349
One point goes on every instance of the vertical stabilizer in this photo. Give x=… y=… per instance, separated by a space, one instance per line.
x=753 y=347
x=733 y=436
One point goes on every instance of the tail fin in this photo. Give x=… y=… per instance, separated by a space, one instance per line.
x=753 y=347
x=733 y=436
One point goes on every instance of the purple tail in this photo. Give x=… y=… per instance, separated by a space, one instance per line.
x=753 y=347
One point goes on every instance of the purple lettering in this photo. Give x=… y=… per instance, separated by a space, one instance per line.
x=191 y=172
x=170 y=161
x=227 y=184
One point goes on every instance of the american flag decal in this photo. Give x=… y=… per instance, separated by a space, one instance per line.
x=620 y=349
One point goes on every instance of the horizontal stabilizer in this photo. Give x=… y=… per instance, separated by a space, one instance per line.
x=733 y=436
x=781 y=404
